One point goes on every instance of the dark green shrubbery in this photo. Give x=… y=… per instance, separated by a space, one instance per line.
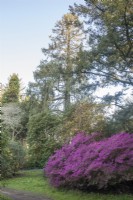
x=17 y=156
x=2 y=197
x=41 y=138
x=12 y=156
x=4 y=156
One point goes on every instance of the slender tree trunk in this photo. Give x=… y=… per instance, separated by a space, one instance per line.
x=67 y=100
x=67 y=96
x=13 y=135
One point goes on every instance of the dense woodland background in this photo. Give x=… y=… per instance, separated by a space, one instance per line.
x=91 y=49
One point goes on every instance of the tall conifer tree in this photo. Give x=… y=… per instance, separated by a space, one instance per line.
x=11 y=93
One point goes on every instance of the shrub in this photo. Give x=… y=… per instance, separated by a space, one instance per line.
x=2 y=197
x=90 y=161
x=11 y=156
x=41 y=132
x=5 y=167
x=91 y=118
x=17 y=156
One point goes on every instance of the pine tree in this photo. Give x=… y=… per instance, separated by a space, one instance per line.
x=11 y=93
x=110 y=30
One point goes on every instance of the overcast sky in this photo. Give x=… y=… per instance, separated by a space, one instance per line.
x=24 y=29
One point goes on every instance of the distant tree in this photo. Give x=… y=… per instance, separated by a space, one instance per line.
x=11 y=92
x=66 y=42
x=1 y=91
x=121 y=120
x=83 y=116
x=11 y=117
x=25 y=114
x=41 y=92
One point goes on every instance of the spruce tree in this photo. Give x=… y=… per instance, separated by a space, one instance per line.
x=11 y=93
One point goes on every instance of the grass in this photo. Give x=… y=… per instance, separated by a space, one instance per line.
x=33 y=181
x=2 y=197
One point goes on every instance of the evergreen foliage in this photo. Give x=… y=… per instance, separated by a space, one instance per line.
x=121 y=120
x=12 y=156
x=42 y=137
x=110 y=29
x=55 y=79
x=11 y=93
x=82 y=116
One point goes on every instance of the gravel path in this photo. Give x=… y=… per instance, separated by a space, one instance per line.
x=21 y=195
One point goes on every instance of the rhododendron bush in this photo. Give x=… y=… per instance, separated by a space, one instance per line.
x=90 y=161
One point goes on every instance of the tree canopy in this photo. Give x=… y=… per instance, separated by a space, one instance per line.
x=12 y=91
x=110 y=32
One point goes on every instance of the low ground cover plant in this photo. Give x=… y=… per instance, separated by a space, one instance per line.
x=2 y=197
x=91 y=161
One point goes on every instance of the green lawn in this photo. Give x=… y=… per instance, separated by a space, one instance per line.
x=34 y=181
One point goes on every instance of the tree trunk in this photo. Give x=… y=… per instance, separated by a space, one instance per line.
x=67 y=96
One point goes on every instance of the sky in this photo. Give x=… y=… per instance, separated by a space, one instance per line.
x=25 y=26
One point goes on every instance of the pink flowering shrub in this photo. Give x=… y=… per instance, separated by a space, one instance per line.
x=88 y=161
